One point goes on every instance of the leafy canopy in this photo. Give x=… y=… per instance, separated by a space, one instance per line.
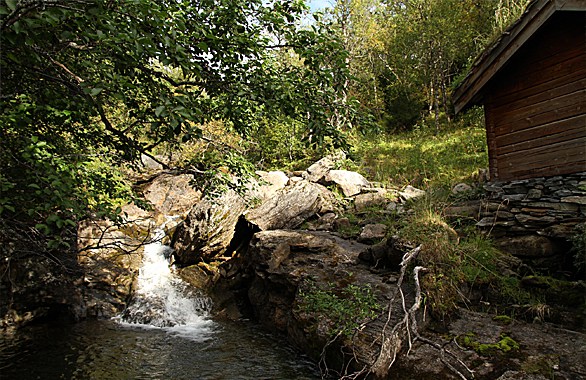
x=90 y=83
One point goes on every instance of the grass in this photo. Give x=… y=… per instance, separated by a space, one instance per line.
x=424 y=159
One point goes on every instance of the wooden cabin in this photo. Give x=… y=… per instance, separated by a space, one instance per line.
x=532 y=83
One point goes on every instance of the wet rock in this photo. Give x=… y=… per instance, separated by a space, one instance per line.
x=110 y=257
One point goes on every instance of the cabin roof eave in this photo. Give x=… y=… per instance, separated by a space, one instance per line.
x=470 y=91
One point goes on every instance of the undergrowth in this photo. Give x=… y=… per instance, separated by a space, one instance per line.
x=457 y=261
x=345 y=308
x=423 y=158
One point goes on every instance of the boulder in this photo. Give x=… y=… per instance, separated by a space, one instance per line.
x=351 y=183
x=110 y=257
x=292 y=206
x=34 y=286
x=317 y=171
x=270 y=184
x=208 y=229
x=282 y=266
x=171 y=194
x=527 y=246
x=368 y=200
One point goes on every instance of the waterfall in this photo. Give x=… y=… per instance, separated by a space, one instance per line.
x=164 y=300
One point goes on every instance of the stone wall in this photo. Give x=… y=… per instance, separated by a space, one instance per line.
x=534 y=218
x=546 y=206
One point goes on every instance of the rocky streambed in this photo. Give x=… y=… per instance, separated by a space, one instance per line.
x=289 y=255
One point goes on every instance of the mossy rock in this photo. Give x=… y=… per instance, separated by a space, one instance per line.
x=559 y=292
x=505 y=345
x=541 y=365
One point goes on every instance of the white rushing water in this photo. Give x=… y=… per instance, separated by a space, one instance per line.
x=164 y=300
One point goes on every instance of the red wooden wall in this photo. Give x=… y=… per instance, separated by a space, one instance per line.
x=535 y=107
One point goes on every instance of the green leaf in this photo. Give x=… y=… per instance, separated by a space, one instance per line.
x=43 y=228
x=11 y=4
x=159 y=110
x=95 y=91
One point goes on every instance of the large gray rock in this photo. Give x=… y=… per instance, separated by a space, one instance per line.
x=527 y=246
x=172 y=194
x=318 y=170
x=351 y=183
x=208 y=229
x=292 y=206
x=368 y=200
x=270 y=184
x=282 y=266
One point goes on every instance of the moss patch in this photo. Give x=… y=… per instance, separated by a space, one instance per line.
x=506 y=344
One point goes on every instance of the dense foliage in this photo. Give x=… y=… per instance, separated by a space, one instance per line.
x=90 y=84
x=407 y=55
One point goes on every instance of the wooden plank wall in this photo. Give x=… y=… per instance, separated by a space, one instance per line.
x=536 y=107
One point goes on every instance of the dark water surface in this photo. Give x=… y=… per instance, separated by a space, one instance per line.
x=109 y=350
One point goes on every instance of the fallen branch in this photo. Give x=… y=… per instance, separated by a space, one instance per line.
x=391 y=341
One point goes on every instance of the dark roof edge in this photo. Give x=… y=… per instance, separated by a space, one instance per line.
x=468 y=92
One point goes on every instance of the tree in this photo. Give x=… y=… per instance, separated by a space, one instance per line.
x=362 y=30
x=87 y=84
x=430 y=42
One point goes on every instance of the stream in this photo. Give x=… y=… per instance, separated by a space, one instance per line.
x=165 y=333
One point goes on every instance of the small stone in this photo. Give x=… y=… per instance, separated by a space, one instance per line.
x=411 y=192
x=562 y=193
x=528 y=220
x=575 y=199
x=515 y=197
x=461 y=188
x=372 y=233
x=534 y=194
x=490 y=222
x=492 y=188
x=342 y=223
